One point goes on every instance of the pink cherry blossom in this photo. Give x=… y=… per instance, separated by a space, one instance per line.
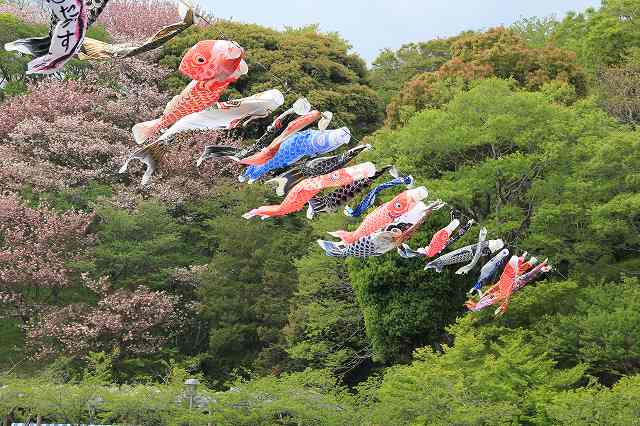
x=134 y=322
x=122 y=18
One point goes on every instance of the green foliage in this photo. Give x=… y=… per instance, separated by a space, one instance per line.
x=326 y=326
x=312 y=397
x=600 y=37
x=528 y=169
x=402 y=304
x=305 y=398
x=559 y=92
x=250 y=279
x=598 y=405
x=536 y=31
x=311 y=64
x=391 y=69
x=12 y=65
x=69 y=199
x=473 y=382
x=141 y=247
x=12 y=340
x=600 y=332
x=93 y=398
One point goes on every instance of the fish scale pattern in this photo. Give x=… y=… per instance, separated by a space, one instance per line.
x=335 y=199
x=308 y=143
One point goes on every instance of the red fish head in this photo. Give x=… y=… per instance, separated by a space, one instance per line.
x=212 y=60
x=409 y=222
x=405 y=201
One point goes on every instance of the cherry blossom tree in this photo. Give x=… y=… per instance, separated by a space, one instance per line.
x=134 y=322
x=66 y=134
x=27 y=10
x=36 y=246
x=122 y=18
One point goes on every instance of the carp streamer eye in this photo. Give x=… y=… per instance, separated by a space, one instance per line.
x=398 y=205
x=200 y=59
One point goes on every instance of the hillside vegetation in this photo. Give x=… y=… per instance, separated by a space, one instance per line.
x=113 y=294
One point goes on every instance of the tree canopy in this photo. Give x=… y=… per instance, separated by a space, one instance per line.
x=113 y=294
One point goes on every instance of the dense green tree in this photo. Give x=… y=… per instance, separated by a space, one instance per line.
x=141 y=247
x=576 y=322
x=246 y=291
x=474 y=382
x=403 y=305
x=536 y=31
x=597 y=405
x=600 y=37
x=601 y=332
x=392 y=68
x=326 y=328
x=528 y=169
x=310 y=397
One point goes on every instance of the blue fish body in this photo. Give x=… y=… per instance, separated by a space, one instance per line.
x=370 y=198
x=309 y=143
x=490 y=269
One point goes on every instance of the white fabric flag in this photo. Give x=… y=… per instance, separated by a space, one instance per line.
x=228 y=115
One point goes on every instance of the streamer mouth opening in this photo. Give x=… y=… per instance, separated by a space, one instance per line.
x=301 y=107
x=495 y=245
x=362 y=171
x=419 y=193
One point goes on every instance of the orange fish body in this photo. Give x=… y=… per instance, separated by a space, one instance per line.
x=505 y=286
x=305 y=190
x=384 y=215
x=440 y=239
x=212 y=65
x=502 y=290
x=526 y=266
x=268 y=152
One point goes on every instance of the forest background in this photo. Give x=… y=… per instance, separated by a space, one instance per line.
x=112 y=294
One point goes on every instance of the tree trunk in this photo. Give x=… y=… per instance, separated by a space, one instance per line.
x=39 y=420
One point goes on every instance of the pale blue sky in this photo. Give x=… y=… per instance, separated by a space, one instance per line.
x=371 y=25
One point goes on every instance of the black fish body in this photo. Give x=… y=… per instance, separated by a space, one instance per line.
x=332 y=201
x=316 y=167
x=464 y=254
